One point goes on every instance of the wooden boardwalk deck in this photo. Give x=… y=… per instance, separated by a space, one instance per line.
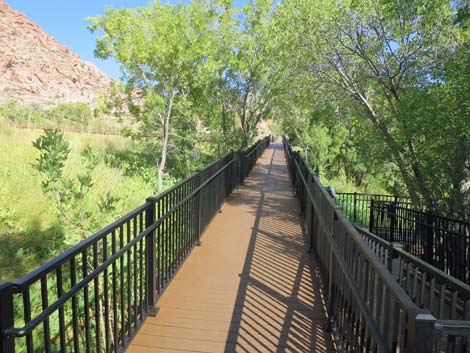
x=251 y=286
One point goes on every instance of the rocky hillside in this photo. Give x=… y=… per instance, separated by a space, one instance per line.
x=35 y=68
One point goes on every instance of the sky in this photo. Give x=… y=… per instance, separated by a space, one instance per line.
x=66 y=21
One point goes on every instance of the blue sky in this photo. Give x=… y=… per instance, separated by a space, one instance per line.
x=66 y=21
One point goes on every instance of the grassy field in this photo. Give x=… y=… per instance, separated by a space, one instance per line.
x=30 y=232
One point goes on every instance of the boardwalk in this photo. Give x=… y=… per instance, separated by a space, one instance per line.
x=250 y=287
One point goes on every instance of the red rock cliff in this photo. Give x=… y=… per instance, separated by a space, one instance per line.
x=35 y=68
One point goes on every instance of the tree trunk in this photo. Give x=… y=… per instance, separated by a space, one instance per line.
x=166 y=133
x=399 y=155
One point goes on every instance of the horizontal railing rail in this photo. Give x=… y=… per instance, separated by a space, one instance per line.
x=451 y=336
x=367 y=307
x=95 y=296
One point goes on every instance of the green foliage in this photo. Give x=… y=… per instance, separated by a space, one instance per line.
x=75 y=112
x=202 y=71
x=19 y=114
x=72 y=196
x=164 y=52
x=387 y=71
x=61 y=115
x=54 y=151
x=6 y=220
x=132 y=163
x=373 y=93
x=29 y=219
x=111 y=101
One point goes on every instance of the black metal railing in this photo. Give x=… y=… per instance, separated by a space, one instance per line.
x=356 y=206
x=367 y=307
x=95 y=296
x=442 y=242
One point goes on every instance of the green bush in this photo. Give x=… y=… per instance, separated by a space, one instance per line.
x=75 y=112
x=20 y=114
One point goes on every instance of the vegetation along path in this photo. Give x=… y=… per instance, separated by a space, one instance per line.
x=250 y=286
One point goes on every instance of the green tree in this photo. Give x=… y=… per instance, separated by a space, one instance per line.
x=165 y=52
x=387 y=59
x=251 y=80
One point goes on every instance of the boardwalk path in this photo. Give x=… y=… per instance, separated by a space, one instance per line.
x=250 y=287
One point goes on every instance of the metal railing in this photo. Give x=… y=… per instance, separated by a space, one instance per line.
x=95 y=296
x=442 y=242
x=356 y=206
x=368 y=309
x=447 y=298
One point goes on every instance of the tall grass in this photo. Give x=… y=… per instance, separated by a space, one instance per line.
x=30 y=232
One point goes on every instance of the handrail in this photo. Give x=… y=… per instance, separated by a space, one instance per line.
x=31 y=325
x=59 y=260
x=180 y=183
x=428 y=281
x=118 y=272
x=366 y=306
x=356 y=205
x=385 y=277
x=436 y=272
x=403 y=299
x=20 y=332
x=371 y=194
x=441 y=241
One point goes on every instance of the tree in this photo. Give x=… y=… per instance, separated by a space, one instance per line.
x=165 y=52
x=251 y=79
x=382 y=56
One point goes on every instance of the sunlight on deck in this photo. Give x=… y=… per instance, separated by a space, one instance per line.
x=251 y=286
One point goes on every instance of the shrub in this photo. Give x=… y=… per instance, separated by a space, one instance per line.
x=20 y=114
x=76 y=112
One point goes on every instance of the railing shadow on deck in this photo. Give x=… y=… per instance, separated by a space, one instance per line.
x=279 y=305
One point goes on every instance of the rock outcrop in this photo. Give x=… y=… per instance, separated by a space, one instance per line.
x=35 y=68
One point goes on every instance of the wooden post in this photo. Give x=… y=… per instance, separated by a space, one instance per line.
x=420 y=333
x=391 y=255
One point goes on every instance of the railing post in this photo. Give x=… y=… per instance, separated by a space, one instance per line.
x=308 y=215
x=231 y=178
x=151 y=256
x=354 y=210
x=197 y=205
x=297 y=177
x=330 y=295
x=393 y=219
x=7 y=343
x=371 y=216
x=429 y=229
x=241 y=158
x=420 y=333
x=391 y=255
